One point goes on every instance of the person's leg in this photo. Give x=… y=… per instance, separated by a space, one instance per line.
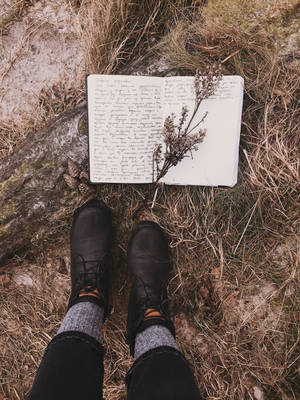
x=160 y=371
x=72 y=366
x=161 y=374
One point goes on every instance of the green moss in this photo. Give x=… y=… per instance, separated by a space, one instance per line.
x=14 y=11
x=83 y=126
x=42 y=163
x=4 y=228
x=58 y=107
x=8 y=209
x=15 y=177
x=278 y=20
x=242 y=14
x=6 y=18
x=282 y=32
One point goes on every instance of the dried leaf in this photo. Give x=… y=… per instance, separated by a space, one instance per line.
x=71 y=182
x=204 y=292
x=61 y=266
x=231 y=299
x=4 y=280
x=73 y=168
x=216 y=272
x=297 y=316
x=85 y=189
x=244 y=332
x=84 y=176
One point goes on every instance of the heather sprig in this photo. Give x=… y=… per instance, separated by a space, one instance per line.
x=181 y=140
x=178 y=143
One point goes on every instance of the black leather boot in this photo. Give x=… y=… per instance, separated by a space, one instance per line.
x=149 y=268
x=91 y=237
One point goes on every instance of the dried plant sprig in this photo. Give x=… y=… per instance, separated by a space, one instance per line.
x=180 y=141
x=178 y=144
x=73 y=168
x=78 y=179
x=206 y=85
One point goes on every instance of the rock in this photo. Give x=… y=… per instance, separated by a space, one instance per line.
x=33 y=193
x=22 y=279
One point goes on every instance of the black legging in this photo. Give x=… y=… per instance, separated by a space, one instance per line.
x=72 y=369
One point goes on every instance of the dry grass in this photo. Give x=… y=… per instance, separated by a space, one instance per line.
x=116 y=32
x=235 y=252
x=13 y=10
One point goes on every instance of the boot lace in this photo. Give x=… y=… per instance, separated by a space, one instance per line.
x=147 y=302
x=89 y=276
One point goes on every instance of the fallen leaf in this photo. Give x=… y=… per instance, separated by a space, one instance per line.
x=244 y=332
x=61 y=266
x=73 y=169
x=84 y=176
x=204 y=292
x=230 y=299
x=216 y=272
x=71 y=182
x=85 y=189
x=4 y=281
x=297 y=316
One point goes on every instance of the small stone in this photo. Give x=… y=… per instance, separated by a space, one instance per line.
x=71 y=182
x=23 y=279
x=258 y=393
x=73 y=168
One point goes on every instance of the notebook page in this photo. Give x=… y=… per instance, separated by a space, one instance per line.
x=125 y=120
x=215 y=161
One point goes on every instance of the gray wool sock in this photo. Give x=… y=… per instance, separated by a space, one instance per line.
x=151 y=337
x=85 y=317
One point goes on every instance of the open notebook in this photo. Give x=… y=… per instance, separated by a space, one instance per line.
x=126 y=115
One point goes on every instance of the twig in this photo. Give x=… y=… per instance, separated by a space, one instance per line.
x=244 y=231
x=202 y=120
x=154 y=197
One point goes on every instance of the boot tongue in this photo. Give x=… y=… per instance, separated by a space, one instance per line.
x=91 y=258
x=87 y=269
x=149 y=295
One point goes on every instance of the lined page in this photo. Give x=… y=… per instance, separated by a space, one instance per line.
x=215 y=162
x=125 y=121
